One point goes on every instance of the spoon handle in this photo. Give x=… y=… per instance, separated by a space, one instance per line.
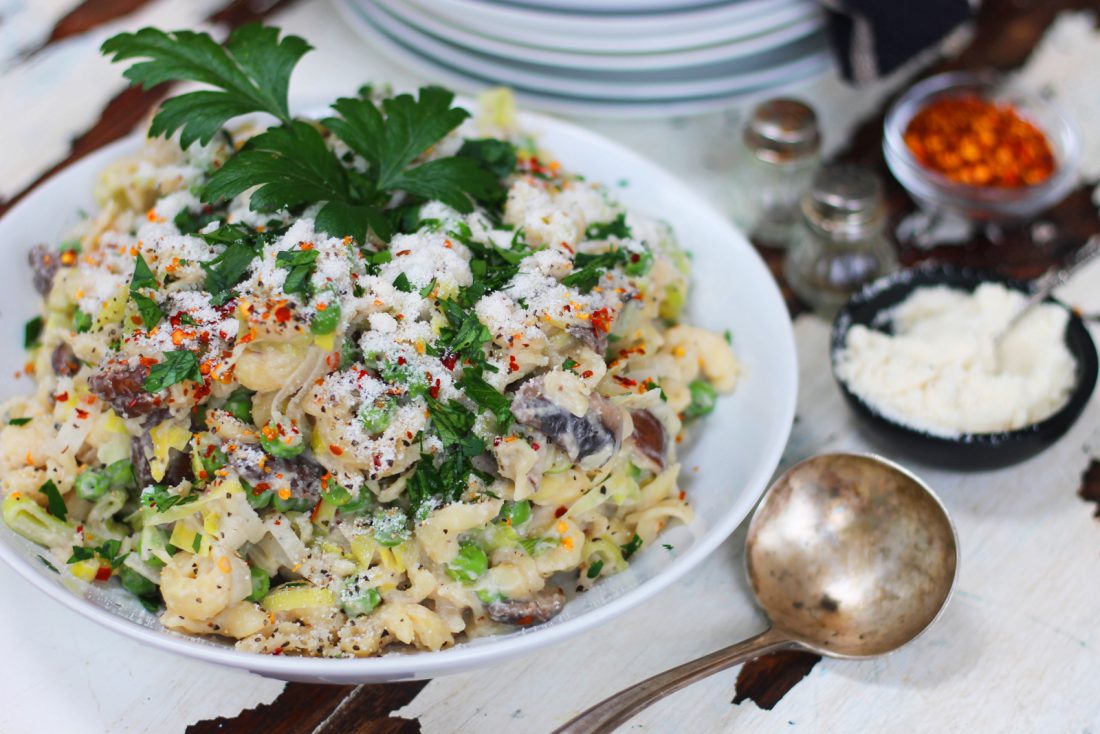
x=613 y=712
x=1055 y=277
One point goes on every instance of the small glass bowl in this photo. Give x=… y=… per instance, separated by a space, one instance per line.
x=936 y=192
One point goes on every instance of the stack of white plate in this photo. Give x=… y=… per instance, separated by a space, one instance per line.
x=604 y=57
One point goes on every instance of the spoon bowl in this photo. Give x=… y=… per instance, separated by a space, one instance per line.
x=850 y=556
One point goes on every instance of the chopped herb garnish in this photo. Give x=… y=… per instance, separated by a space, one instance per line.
x=728 y=336
x=151 y=313
x=488 y=397
x=54 y=504
x=82 y=322
x=226 y=270
x=602 y=230
x=570 y=365
x=703 y=399
x=300 y=264
x=143 y=276
x=401 y=283
x=454 y=423
x=47 y=564
x=588 y=268
x=666 y=546
x=163 y=500
x=80 y=553
x=427 y=290
x=632 y=547
x=32 y=330
x=19 y=421
x=594 y=568
x=176 y=367
x=496 y=156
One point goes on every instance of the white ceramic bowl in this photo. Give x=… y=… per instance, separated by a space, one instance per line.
x=726 y=466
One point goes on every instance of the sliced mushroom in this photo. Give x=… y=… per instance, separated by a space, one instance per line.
x=64 y=361
x=537 y=609
x=177 y=470
x=590 y=439
x=650 y=438
x=593 y=338
x=301 y=475
x=44 y=263
x=122 y=385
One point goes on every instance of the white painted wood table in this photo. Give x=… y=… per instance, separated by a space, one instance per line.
x=1016 y=651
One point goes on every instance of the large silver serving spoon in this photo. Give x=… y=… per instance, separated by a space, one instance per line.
x=849 y=555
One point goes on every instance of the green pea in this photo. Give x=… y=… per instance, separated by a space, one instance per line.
x=356 y=601
x=336 y=495
x=516 y=513
x=120 y=474
x=325 y=322
x=91 y=485
x=135 y=583
x=359 y=505
x=261 y=583
x=376 y=416
x=703 y=399
x=239 y=404
x=257 y=500
x=82 y=322
x=278 y=447
x=292 y=504
x=390 y=527
x=488 y=597
x=638 y=263
x=470 y=563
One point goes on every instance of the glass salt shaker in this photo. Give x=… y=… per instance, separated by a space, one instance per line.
x=784 y=147
x=841 y=244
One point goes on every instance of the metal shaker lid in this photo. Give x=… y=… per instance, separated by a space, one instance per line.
x=845 y=202
x=783 y=130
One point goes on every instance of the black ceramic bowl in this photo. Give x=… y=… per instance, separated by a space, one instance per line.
x=973 y=451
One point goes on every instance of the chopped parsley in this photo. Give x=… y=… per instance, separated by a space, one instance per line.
x=300 y=265
x=32 y=331
x=225 y=271
x=159 y=498
x=401 y=283
x=19 y=421
x=632 y=546
x=82 y=322
x=151 y=313
x=488 y=397
x=588 y=268
x=595 y=568
x=570 y=365
x=54 y=504
x=176 y=367
x=615 y=228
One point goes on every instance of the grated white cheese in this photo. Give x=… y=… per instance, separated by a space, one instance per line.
x=940 y=372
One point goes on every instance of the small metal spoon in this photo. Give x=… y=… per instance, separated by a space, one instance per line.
x=849 y=555
x=1047 y=282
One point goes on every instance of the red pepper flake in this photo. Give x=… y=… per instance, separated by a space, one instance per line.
x=279 y=649
x=335 y=450
x=377 y=459
x=103 y=573
x=61 y=397
x=560 y=511
x=401 y=360
x=535 y=445
x=601 y=321
x=316 y=511
x=625 y=381
x=513 y=365
x=81 y=414
x=587 y=373
x=404 y=252
x=262 y=487
x=282 y=314
x=449 y=360
x=434 y=390
x=683 y=494
x=136 y=320
x=525 y=620
x=147 y=361
x=307 y=246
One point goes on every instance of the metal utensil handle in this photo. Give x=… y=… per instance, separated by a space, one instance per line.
x=613 y=712
x=1051 y=279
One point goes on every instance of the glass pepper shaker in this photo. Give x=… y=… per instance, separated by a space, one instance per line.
x=784 y=147
x=841 y=244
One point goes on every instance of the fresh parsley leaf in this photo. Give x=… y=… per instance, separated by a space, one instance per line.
x=588 y=269
x=454 y=423
x=496 y=156
x=80 y=553
x=143 y=276
x=162 y=500
x=427 y=290
x=228 y=234
x=602 y=230
x=47 y=564
x=176 y=367
x=667 y=547
x=728 y=336
x=151 y=313
x=570 y=365
x=487 y=397
x=108 y=551
x=190 y=222
x=595 y=568
x=19 y=421
x=401 y=283
x=225 y=271
x=301 y=264
x=54 y=504
x=464 y=335
x=632 y=547
x=251 y=73
x=32 y=331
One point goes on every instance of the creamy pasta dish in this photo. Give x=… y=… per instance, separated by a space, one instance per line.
x=390 y=378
